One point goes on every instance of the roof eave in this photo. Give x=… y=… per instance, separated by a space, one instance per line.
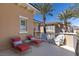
x=33 y=7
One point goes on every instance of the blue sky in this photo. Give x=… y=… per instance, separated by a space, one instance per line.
x=58 y=8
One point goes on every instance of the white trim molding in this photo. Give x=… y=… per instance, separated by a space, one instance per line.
x=23 y=17
x=23 y=32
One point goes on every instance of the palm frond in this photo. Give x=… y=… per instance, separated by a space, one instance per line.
x=76 y=12
x=44 y=8
x=50 y=14
x=61 y=16
x=66 y=15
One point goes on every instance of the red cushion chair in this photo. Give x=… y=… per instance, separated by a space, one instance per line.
x=34 y=41
x=29 y=37
x=20 y=47
x=23 y=47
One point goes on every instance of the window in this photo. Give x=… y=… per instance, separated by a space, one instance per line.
x=46 y=27
x=52 y=27
x=50 y=36
x=23 y=24
x=49 y=27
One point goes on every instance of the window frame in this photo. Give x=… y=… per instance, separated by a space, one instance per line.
x=22 y=18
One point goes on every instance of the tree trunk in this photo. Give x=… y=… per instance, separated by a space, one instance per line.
x=65 y=23
x=39 y=29
x=44 y=26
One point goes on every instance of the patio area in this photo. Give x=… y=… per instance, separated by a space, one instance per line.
x=46 y=49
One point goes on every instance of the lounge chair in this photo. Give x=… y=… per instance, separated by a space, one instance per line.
x=33 y=41
x=18 y=45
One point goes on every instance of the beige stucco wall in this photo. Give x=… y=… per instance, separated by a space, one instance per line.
x=41 y=29
x=9 y=20
x=71 y=40
x=76 y=31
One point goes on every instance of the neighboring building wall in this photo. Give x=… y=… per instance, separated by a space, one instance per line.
x=52 y=30
x=10 y=22
x=48 y=29
x=41 y=29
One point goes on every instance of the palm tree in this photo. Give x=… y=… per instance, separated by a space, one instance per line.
x=65 y=16
x=44 y=9
x=75 y=10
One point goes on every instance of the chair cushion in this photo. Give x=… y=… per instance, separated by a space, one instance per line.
x=15 y=39
x=27 y=41
x=23 y=47
x=33 y=38
x=29 y=36
x=36 y=41
x=17 y=43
